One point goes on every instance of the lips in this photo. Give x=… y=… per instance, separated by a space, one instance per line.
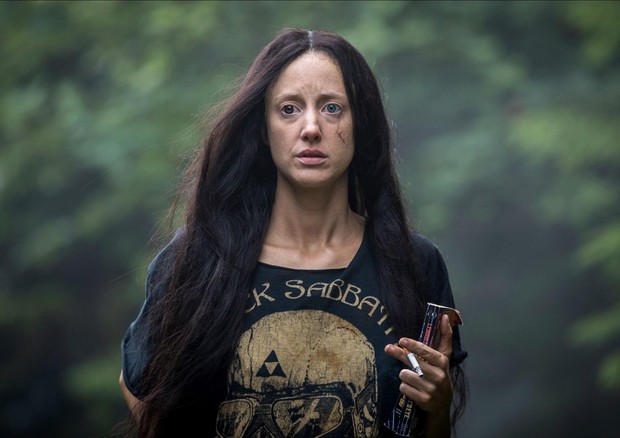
x=311 y=157
x=311 y=153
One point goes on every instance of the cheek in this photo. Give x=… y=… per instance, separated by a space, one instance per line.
x=271 y=137
x=277 y=134
x=276 y=144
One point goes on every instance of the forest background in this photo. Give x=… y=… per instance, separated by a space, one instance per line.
x=507 y=122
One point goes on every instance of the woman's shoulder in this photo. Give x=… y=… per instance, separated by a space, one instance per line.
x=424 y=247
x=160 y=265
x=429 y=257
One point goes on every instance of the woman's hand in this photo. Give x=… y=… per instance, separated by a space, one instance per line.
x=433 y=392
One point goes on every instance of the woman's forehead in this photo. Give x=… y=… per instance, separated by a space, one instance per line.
x=313 y=73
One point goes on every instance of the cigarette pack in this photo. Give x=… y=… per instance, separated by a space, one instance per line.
x=405 y=418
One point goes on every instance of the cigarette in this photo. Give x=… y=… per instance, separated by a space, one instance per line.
x=414 y=364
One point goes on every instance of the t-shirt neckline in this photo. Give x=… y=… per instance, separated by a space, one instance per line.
x=353 y=261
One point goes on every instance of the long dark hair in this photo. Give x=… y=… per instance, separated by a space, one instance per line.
x=228 y=196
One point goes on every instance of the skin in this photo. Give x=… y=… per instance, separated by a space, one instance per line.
x=133 y=403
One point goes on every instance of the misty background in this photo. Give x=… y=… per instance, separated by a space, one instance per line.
x=507 y=128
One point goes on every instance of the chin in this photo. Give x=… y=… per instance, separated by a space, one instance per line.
x=313 y=180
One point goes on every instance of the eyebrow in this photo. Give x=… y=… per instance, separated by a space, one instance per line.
x=322 y=96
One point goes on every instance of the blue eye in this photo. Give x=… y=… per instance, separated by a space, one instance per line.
x=288 y=109
x=332 y=108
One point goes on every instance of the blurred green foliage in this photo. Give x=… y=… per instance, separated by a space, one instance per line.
x=507 y=122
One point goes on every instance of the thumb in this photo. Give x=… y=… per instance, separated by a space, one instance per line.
x=445 y=343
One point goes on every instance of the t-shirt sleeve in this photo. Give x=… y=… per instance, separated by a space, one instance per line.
x=437 y=288
x=134 y=347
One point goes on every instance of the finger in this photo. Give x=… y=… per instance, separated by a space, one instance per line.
x=415 y=389
x=397 y=353
x=410 y=378
x=445 y=344
x=424 y=352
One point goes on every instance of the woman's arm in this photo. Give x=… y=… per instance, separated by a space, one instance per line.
x=133 y=403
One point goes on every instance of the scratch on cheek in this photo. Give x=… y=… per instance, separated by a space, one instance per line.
x=341 y=136
x=340 y=133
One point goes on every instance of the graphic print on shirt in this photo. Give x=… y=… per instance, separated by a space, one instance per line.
x=301 y=373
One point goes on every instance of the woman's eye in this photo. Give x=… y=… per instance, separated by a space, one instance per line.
x=288 y=109
x=332 y=108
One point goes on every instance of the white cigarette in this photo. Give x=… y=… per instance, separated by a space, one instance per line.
x=414 y=364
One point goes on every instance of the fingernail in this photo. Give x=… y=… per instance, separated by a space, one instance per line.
x=403 y=342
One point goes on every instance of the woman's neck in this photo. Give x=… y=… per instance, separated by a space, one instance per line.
x=312 y=229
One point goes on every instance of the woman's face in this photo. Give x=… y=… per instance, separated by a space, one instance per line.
x=309 y=124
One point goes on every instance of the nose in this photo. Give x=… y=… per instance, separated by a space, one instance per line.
x=311 y=131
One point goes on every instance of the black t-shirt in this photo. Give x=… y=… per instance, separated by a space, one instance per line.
x=311 y=358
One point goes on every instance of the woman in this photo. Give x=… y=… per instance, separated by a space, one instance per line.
x=274 y=310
